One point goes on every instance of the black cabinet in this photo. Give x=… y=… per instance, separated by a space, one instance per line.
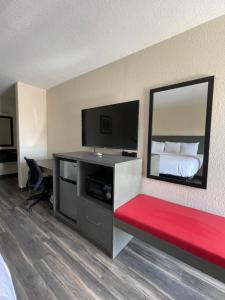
x=68 y=198
x=90 y=215
x=95 y=222
x=8 y=155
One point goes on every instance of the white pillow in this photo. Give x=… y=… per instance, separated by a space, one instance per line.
x=157 y=147
x=189 y=148
x=171 y=147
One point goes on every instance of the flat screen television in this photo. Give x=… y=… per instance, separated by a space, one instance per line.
x=6 y=131
x=112 y=126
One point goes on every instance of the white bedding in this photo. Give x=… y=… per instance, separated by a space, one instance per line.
x=7 y=291
x=179 y=165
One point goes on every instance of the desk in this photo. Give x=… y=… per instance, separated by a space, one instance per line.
x=46 y=165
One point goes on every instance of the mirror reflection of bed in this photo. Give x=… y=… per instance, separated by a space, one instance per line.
x=179 y=157
x=178 y=144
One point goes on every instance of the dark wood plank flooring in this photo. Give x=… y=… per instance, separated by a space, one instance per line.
x=48 y=260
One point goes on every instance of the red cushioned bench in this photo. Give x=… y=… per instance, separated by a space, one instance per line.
x=166 y=225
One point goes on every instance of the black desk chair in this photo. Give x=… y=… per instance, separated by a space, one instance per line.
x=39 y=186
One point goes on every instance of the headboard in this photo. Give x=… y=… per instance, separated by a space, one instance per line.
x=182 y=139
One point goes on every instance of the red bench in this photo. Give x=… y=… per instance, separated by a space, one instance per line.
x=200 y=233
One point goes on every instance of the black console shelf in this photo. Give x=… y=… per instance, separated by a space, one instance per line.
x=8 y=155
x=95 y=218
x=102 y=203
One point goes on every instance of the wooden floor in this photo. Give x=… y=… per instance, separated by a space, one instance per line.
x=50 y=261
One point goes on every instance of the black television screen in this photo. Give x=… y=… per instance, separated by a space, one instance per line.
x=112 y=126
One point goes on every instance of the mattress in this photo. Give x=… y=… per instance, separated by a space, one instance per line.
x=7 y=291
x=179 y=165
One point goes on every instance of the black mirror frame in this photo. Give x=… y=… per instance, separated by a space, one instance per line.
x=210 y=80
x=11 y=131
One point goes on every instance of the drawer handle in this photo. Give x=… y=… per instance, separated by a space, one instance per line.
x=93 y=222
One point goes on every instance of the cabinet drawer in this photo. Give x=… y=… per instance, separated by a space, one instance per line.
x=68 y=199
x=95 y=223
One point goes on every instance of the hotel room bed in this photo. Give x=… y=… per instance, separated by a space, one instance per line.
x=7 y=291
x=179 y=165
x=179 y=156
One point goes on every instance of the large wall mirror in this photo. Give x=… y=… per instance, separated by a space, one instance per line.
x=179 y=132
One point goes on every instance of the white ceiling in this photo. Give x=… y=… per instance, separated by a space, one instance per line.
x=46 y=42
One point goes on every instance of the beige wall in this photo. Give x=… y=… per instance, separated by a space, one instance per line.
x=193 y=54
x=32 y=126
